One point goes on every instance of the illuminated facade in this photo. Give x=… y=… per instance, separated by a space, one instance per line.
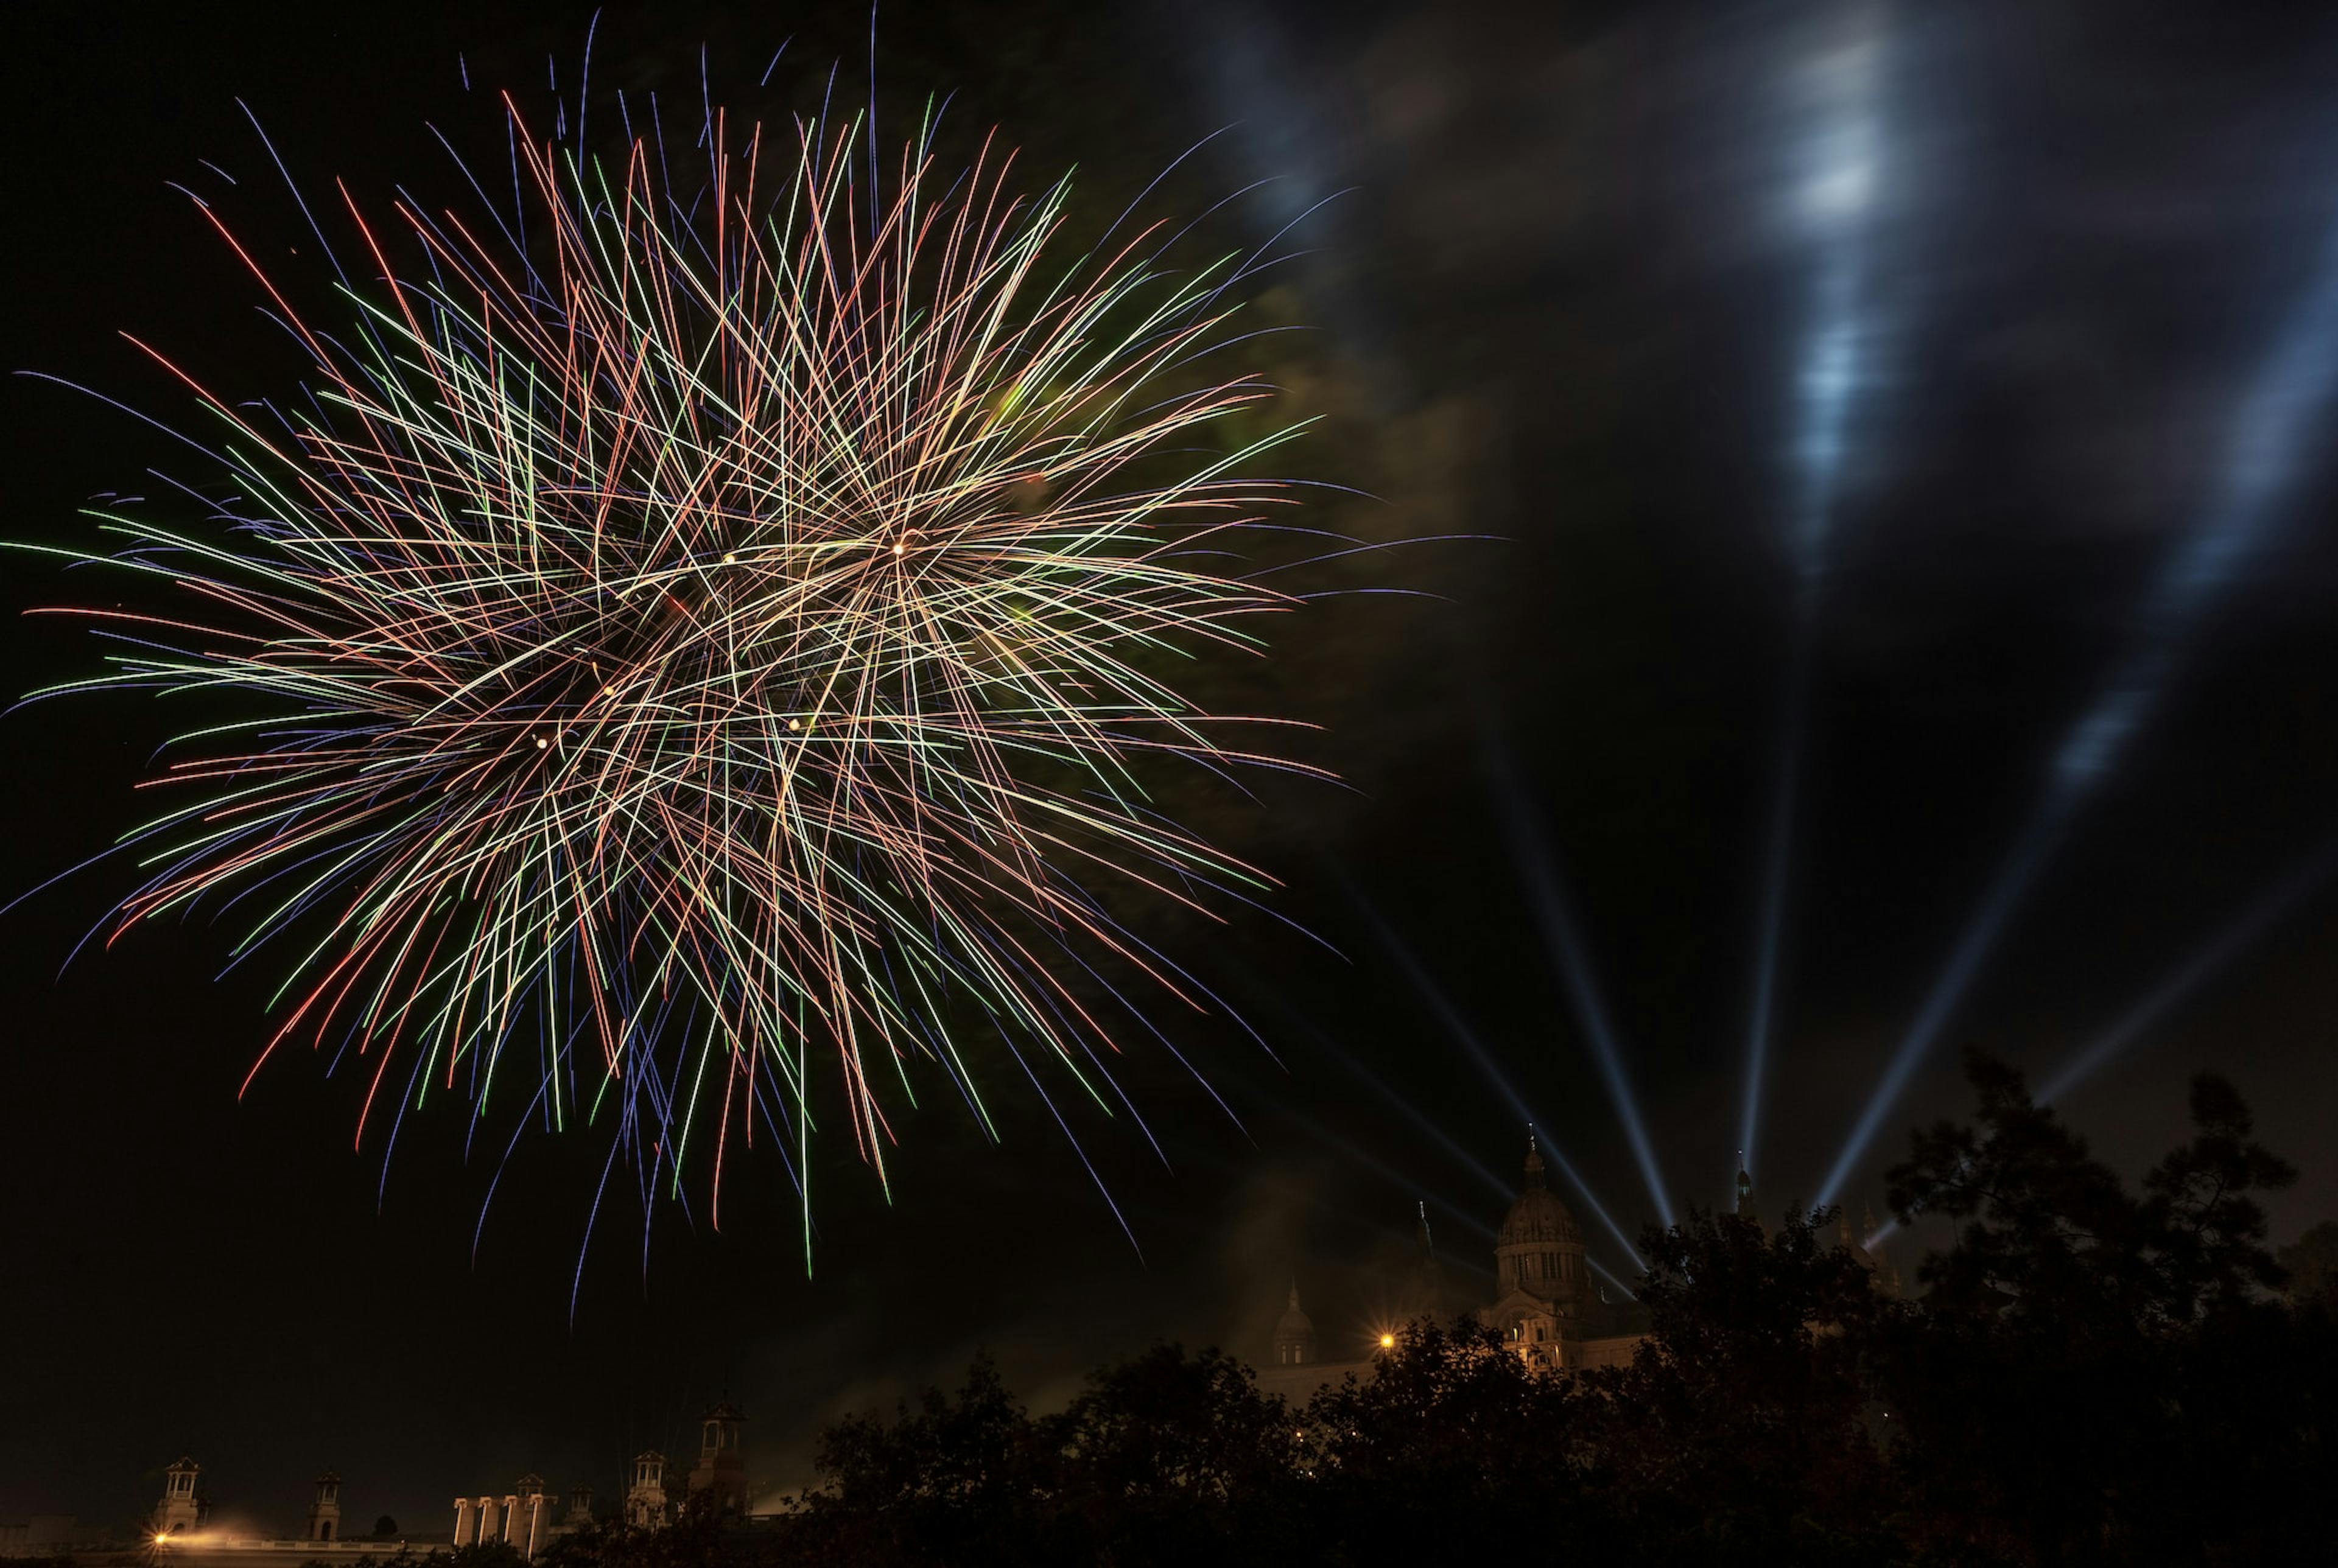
x=720 y=1473
x=529 y=1517
x=183 y=1505
x=646 y=1506
x=1545 y=1305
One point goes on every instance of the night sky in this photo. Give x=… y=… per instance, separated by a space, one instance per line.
x=1567 y=306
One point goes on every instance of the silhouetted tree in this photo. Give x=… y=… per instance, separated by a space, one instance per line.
x=2312 y=1264
x=1741 y=1431
x=696 y=1538
x=2079 y=1385
x=2096 y=1374
x=1168 y=1458
x=1455 y=1445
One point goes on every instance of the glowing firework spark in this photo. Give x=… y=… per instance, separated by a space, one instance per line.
x=715 y=637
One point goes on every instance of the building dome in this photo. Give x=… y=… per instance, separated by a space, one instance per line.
x=1537 y=1216
x=1539 y=1250
x=1294 y=1335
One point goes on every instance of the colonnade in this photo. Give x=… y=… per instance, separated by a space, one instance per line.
x=520 y=1519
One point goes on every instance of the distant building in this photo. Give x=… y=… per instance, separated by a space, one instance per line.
x=183 y=1505
x=524 y=1517
x=645 y=1500
x=1548 y=1306
x=325 y=1513
x=1545 y=1305
x=528 y=1517
x=181 y=1529
x=1294 y=1335
x=720 y=1473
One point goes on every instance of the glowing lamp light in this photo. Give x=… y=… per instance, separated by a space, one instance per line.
x=1388 y=1341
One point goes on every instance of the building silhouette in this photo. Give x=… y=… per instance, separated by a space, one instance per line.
x=325 y=1513
x=1547 y=1306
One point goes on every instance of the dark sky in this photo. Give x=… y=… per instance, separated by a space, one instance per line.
x=1567 y=301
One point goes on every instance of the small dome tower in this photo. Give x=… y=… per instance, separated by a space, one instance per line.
x=721 y=1470
x=1294 y=1335
x=182 y=1506
x=325 y=1513
x=645 y=1498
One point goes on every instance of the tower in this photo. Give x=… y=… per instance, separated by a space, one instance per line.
x=325 y=1513
x=580 y=1507
x=1294 y=1335
x=1542 y=1290
x=182 y=1506
x=645 y=1498
x=1539 y=1250
x=720 y=1471
x=529 y=1515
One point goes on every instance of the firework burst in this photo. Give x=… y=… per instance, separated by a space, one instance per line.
x=712 y=649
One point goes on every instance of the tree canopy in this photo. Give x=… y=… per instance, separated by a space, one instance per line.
x=2095 y=1372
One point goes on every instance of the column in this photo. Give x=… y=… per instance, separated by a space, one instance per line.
x=465 y=1516
x=490 y=1527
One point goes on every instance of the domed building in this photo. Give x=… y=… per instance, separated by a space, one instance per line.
x=1294 y=1335
x=1546 y=1303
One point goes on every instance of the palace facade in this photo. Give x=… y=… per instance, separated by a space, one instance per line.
x=1545 y=1304
x=529 y=1517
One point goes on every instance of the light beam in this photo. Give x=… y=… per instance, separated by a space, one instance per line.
x=1467 y=1038
x=2239 y=934
x=1557 y=920
x=1840 y=171
x=2264 y=450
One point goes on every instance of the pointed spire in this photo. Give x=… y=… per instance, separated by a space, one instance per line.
x=1745 y=1194
x=1294 y=1292
x=1533 y=1159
